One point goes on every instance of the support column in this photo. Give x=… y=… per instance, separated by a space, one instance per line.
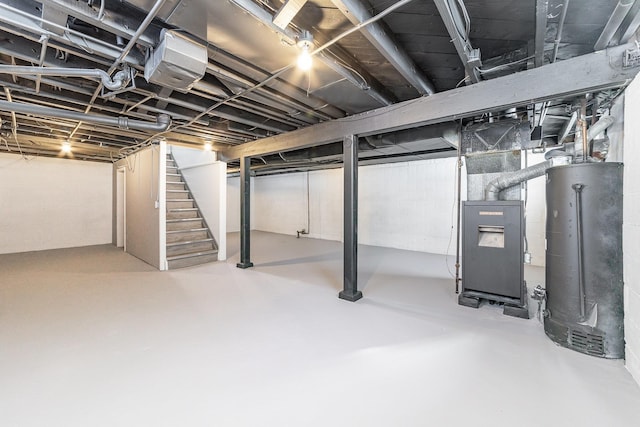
x=245 y=213
x=350 y=291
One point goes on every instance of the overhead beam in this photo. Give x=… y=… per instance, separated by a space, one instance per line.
x=596 y=71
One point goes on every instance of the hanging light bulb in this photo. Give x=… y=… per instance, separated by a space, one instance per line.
x=208 y=146
x=305 y=42
x=66 y=147
x=304 y=60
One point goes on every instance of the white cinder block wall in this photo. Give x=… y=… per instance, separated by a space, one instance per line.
x=233 y=204
x=48 y=203
x=631 y=227
x=406 y=205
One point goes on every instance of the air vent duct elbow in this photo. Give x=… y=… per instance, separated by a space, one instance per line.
x=178 y=62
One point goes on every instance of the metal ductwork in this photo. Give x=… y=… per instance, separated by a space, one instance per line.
x=119 y=80
x=162 y=121
x=377 y=33
x=178 y=62
x=508 y=180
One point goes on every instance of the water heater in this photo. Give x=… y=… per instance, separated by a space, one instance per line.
x=584 y=258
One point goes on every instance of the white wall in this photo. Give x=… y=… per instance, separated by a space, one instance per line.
x=143 y=222
x=233 y=204
x=536 y=213
x=206 y=179
x=406 y=205
x=631 y=227
x=48 y=203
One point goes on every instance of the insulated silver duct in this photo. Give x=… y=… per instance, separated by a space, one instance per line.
x=510 y=179
x=162 y=121
x=118 y=82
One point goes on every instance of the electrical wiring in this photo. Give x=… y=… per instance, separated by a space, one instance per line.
x=502 y=66
x=269 y=79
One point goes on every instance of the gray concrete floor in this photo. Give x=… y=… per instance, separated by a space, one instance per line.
x=94 y=337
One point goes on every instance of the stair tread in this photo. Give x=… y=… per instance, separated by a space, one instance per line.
x=188 y=230
x=177 y=191
x=188 y=242
x=184 y=219
x=179 y=200
x=192 y=255
x=183 y=209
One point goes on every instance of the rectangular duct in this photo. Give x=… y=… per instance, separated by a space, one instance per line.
x=177 y=62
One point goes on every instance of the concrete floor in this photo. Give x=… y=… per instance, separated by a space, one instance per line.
x=94 y=337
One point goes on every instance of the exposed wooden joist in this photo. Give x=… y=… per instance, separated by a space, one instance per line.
x=541 y=30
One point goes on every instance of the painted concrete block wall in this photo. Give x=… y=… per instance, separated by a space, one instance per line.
x=407 y=205
x=281 y=203
x=143 y=205
x=536 y=213
x=48 y=203
x=631 y=227
x=206 y=179
x=326 y=200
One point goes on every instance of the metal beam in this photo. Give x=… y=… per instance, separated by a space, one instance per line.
x=469 y=56
x=245 y=213
x=541 y=31
x=572 y=77
x=350 y=290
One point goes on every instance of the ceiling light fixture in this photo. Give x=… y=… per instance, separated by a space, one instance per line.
x=208 y=146
x=305 y=42
x=66 y=147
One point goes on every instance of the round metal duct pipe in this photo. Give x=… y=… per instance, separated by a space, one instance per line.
x=162 y=121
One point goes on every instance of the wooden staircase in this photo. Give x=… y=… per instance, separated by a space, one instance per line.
x=189 y=240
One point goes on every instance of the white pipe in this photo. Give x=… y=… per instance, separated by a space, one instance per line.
x=599 y=127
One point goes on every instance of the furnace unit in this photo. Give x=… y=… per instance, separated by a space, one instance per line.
x=492 y=255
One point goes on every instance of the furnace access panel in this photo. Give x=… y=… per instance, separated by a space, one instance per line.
x=493 y=248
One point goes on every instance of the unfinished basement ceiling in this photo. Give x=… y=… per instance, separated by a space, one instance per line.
x=248 y=89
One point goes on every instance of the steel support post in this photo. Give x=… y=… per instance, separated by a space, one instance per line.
x=245 y=213
x=350 y=291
